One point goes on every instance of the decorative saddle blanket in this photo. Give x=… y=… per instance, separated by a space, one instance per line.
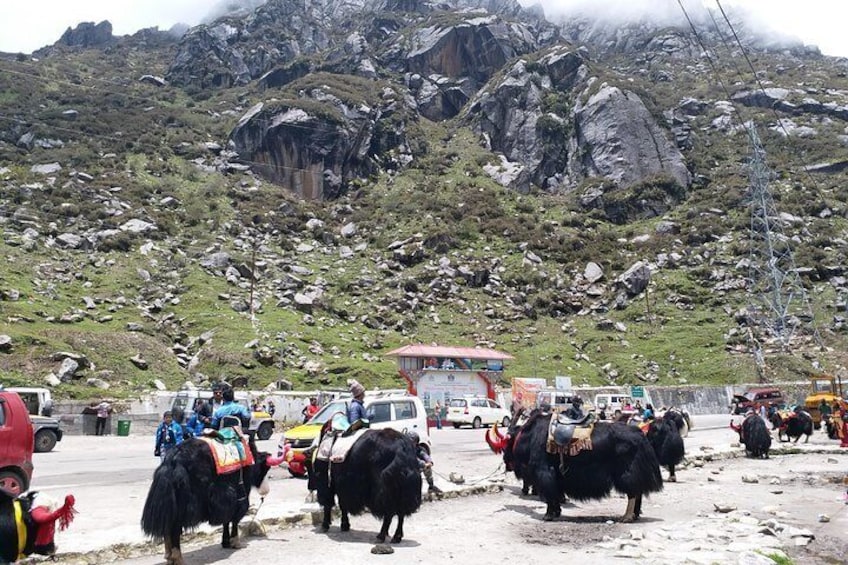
x=334 y=448
x=569 y=438
x=229 y=450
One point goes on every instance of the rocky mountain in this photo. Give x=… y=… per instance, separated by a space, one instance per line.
x=284 y=192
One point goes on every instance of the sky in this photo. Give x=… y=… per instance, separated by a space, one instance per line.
x=26 y=25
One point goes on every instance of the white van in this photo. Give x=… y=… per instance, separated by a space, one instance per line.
x=615 y=406
x=476 y=411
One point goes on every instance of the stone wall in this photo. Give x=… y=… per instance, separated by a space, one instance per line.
x=700 y=399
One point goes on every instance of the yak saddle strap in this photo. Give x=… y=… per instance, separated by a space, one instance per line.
x=21 y=528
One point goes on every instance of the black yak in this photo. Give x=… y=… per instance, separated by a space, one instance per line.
x=27 y=524
x=620 y=458
x=379 y=473
x=792 y=425
x=667 y=441
x=187 y=490
x=754 y=435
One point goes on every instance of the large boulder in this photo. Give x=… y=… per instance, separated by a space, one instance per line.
x=314 y=145
x=618 y=139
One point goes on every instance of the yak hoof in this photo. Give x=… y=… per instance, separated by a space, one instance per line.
x=672 y=479
x=381 y=538
x=397 y=539
x=325 y=527
x=628 y=518
x=176 y=557
x=549 y=518
x=235 y=543
x=345 y=527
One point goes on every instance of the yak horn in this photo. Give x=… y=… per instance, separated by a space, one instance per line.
x=497 y=443
x=497 y=432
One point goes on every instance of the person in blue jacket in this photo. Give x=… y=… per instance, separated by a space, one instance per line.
x=169 y=434
x=198 y=419
x=231 y=408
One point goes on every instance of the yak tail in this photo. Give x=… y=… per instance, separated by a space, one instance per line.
x=163 y=509
x=642 y=474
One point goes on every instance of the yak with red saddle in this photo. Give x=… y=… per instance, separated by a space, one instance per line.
x=188 y=489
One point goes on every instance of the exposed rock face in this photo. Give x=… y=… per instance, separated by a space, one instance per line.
x=613 y=128
x=475 y=48
x=529 y=116
x=459 y=58
x=316 y=154
x=232 y=51
x=88 y=34
x=512 y=117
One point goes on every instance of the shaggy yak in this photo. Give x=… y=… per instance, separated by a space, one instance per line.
x=754 y=435
x=379 y=473
x=667 y=441
x=187 y=490
x=621 y=458
x=793 y=425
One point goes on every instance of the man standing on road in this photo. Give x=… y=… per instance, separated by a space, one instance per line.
x=437 y=413
x=104 y=409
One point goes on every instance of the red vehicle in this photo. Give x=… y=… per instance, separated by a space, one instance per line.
x=16 y=443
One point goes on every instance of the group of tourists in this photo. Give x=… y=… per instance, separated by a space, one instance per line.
x=174 y=429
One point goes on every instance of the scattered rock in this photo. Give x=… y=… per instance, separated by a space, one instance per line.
x=750 y=479
x=724 y=508
x=5 y=343
x=382 y=549
x=46 y=168
x=139 y=362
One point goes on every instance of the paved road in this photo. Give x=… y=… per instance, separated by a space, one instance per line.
x=110 y=477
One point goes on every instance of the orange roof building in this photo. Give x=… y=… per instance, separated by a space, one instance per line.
x=439 y=373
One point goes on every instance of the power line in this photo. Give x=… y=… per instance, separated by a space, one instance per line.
x=774 y=281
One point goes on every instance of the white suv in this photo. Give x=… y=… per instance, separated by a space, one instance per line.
x=476 y=411
x=399 y=411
